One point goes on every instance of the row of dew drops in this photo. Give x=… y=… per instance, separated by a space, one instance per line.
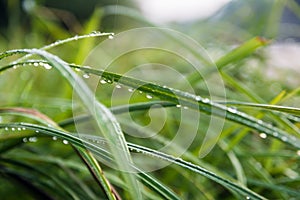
x=32 y=139
x=104 y=81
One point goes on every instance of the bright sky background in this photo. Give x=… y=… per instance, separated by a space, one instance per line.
x=162 y=11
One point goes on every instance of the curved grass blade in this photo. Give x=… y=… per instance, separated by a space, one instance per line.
x=86 y=156
x=198 y=103
x=147 y=179
x=285 y=109
x=190 y=100
x=147 y=151
x=106 y=122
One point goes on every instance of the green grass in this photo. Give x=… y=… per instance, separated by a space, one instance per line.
x=60 y=139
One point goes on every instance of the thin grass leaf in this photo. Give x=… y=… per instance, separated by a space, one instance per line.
x=241 y=52
x=107 y=124
x=189 y=100
x=198 y=103
x=270 y=107
x=147 y=151
x=90 y=161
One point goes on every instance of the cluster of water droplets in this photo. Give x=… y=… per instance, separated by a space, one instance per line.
x=32 y=63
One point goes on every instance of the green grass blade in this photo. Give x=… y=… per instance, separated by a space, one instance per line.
x=189 y=100
x=75 y=140
x=270 y=107
x=106 y=122
x=241 y=52
x=101 y=152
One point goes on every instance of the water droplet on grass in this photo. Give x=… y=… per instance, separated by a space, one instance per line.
x=198 y=98
x=23 y=128
x=65 y=141
x=247 y=198
x=6 y=128
x=130 y=90
x=298 y=152
x=275 y=134
x=86 y=76
x=178 y=106
x=205 y=100
x=118 y=86
x=19 y=129
x=110 y=37
x=284 y=138
x=25 y=140
x=36 y=64
x=37 y=131
x=47 y=66
x=149 y=96
x=263 y=135
x=232 y=110
x=102 y=81
x=185 y=107
x=54 y=138
x=32 y=139
x=13 y=129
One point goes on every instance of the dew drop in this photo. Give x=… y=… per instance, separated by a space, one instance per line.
x=206 y=100
x=197 y=98
x=19 y=129
x=247 y=198
x=118 y=86
x=149 y=96
x=32 y=139
x=185 y=107
x=284 y=138
x=15 y=67
x=178 y=106
x=6 y=128
x=36 y=64
x=54 y=138
x=76 y=37
x=77 y=69
x=47 y=66
x=86 y=76
x=13 y=129
x=25 y=140
x=263 y=135
x=140 y=92
x=275 y=134
x=232 y=110
x=37 y=131
x=23 y=128
x=130 y=90
x=103 y=81
x=65 y=142
x=298 y=152
x=110 y=37
x=260 y=121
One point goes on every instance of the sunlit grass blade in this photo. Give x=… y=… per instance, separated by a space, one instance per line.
x=242 y=51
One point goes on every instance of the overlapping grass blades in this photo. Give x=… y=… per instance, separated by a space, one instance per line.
x=186 y=99
x=170 y=97
x=107 y=123
x=147 y=151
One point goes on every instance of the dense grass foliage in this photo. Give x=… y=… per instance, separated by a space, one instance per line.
x=63 y=138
